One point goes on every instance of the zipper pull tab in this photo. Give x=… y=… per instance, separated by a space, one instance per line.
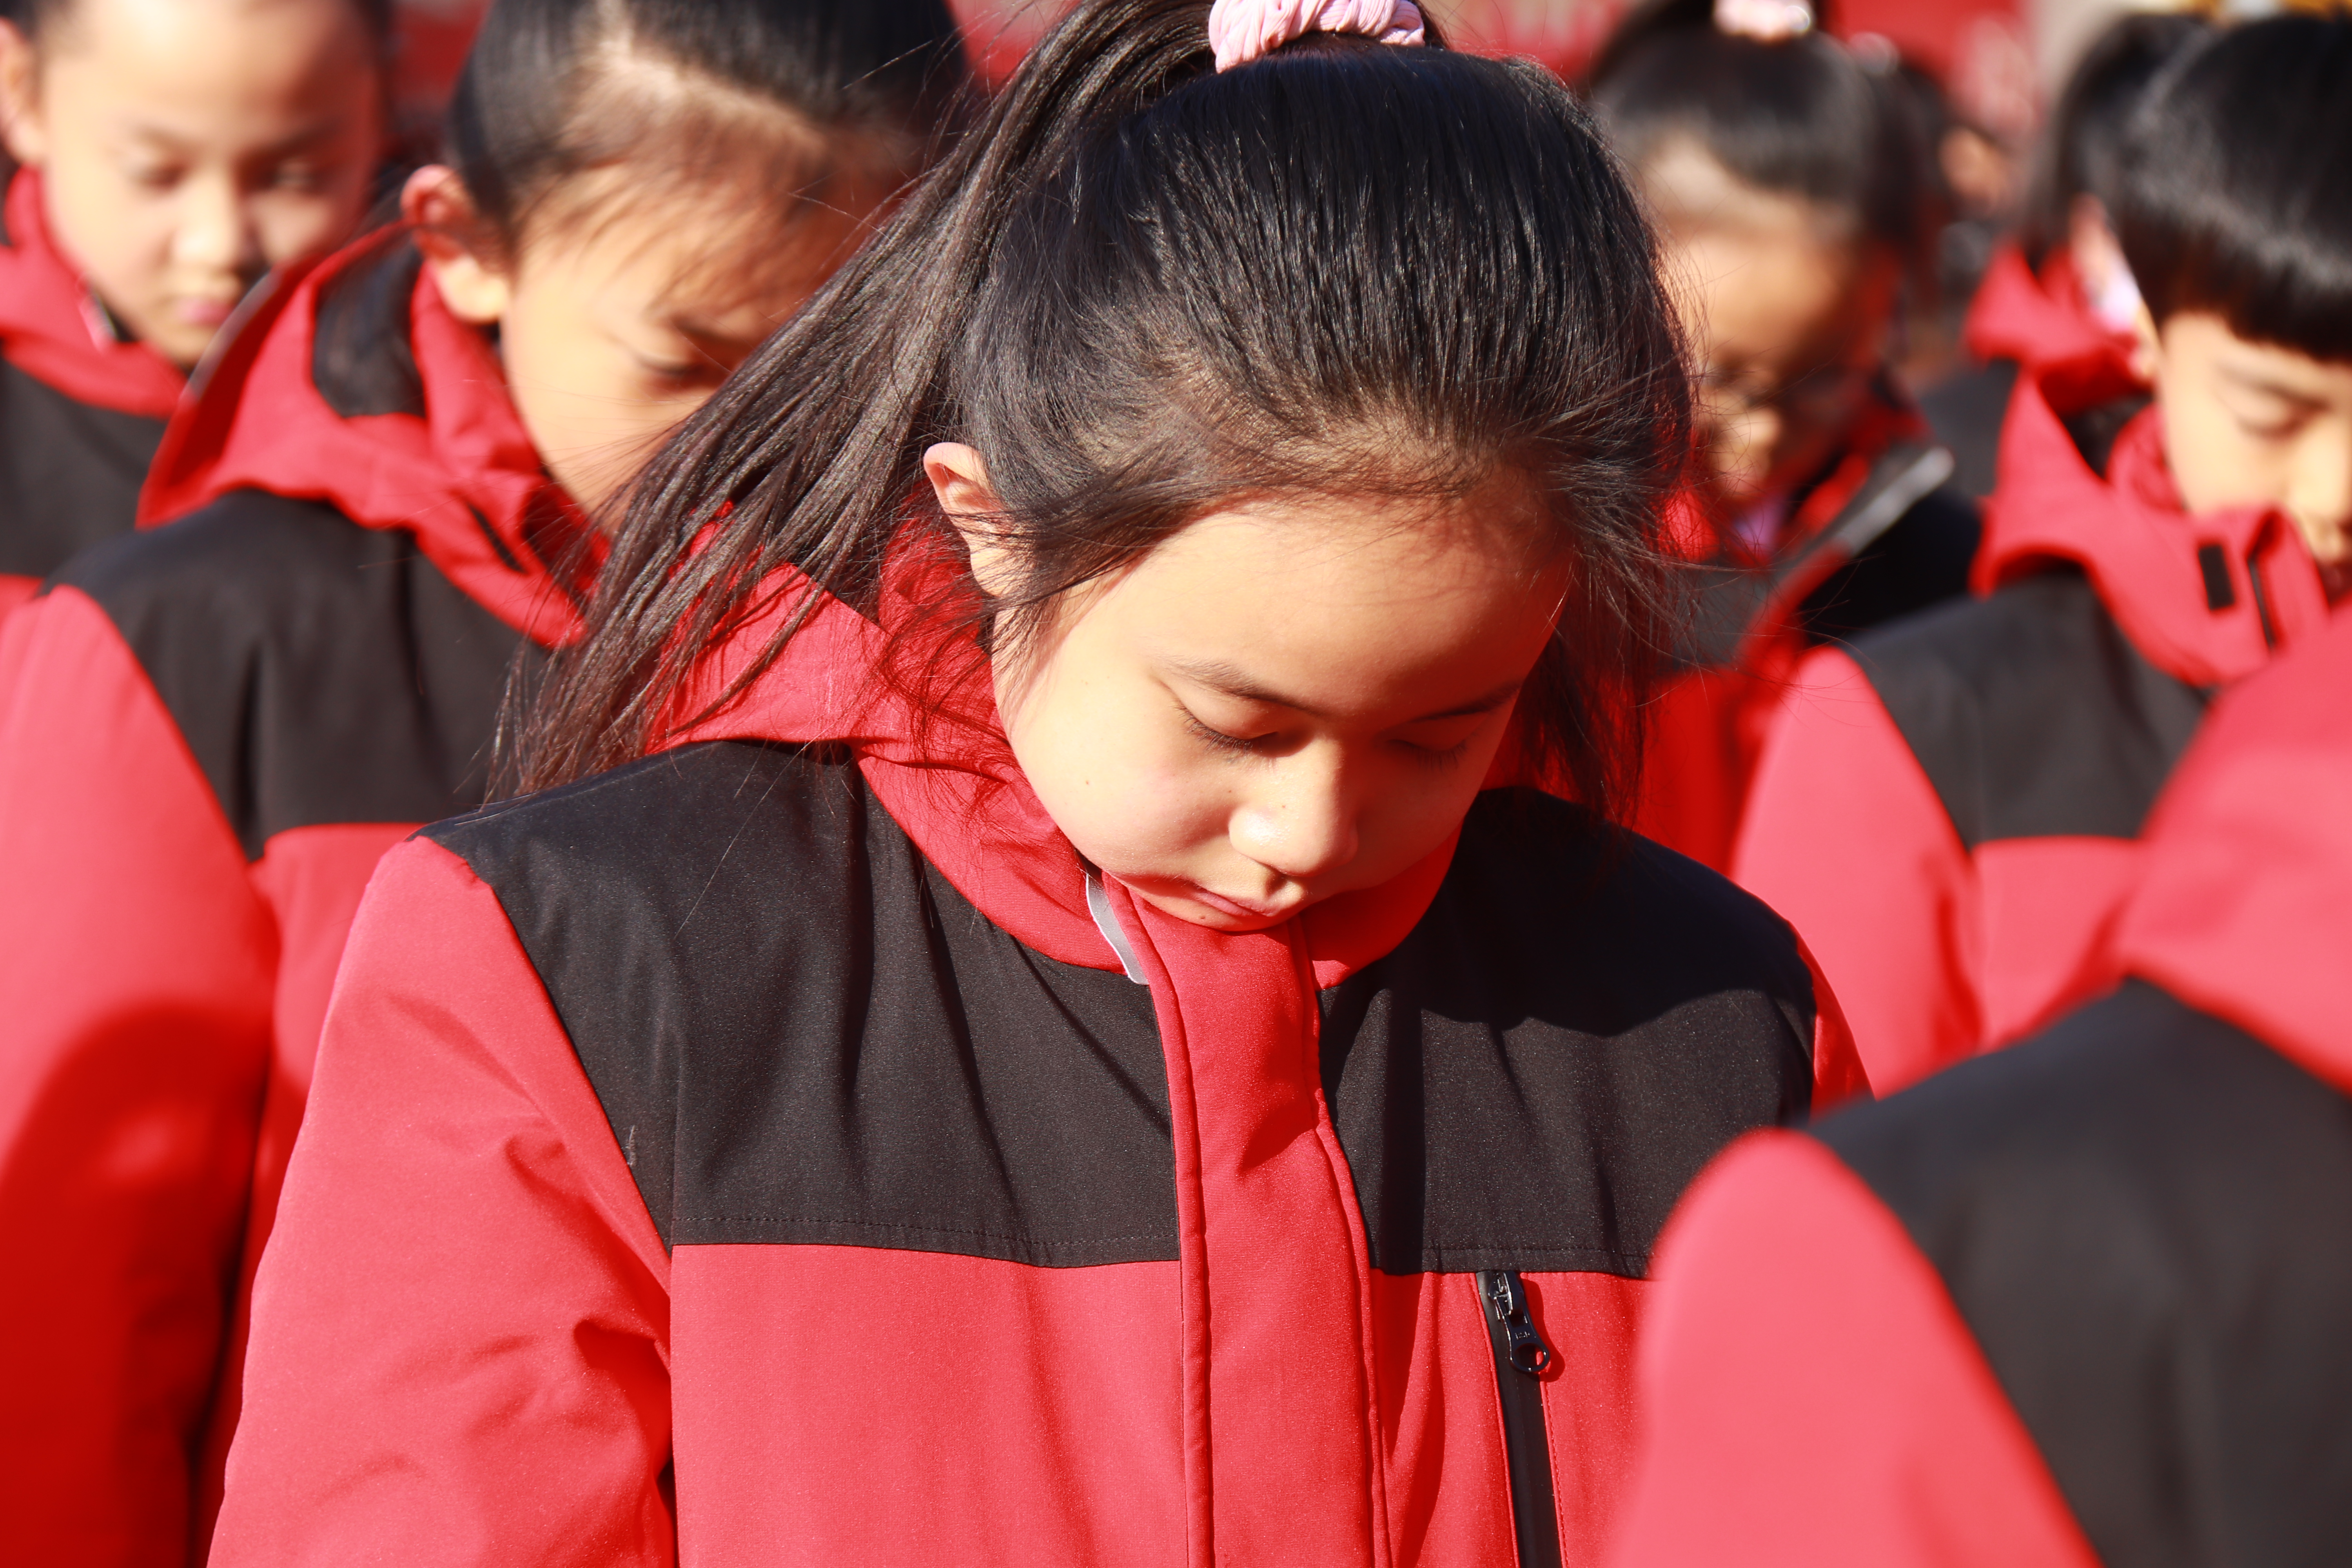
x=1507 y=1302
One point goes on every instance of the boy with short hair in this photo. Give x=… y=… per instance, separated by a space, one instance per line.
x=1950 y=810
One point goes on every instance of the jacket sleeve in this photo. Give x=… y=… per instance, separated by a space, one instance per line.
x=460 y=1330
x=1844 y=836
x=1813 y=1399
x=135 y=982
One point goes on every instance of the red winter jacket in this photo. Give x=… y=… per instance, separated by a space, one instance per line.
x=1950 y=810
x=780 y=1149
x=1875 y=537
x=2038 y=319
x=2081 y=1302
x=209 y=732
x=80 y=411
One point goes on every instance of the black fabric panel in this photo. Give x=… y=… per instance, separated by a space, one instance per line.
x=1923 y=560
x=1967 y=411
x=70 y=473
x=1533 y=1077
x=2146 y=1217
x=2094 y=430
x=800 y=1033
x=321 y=672
x=2031 y=713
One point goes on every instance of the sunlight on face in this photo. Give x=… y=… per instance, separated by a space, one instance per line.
x=1282 y=703
x=189 y=145
x=613 y=334
x=1786 y=309
x=2255 y=425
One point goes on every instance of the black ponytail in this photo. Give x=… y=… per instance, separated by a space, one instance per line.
x=1144 y=289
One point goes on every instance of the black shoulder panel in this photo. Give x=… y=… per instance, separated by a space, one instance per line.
x=2146 y=1217
x=321 y=672
x=800 y=1033
x=1923 y=560
x=1533 y=1077
x=70 y=473
x=2031 y=713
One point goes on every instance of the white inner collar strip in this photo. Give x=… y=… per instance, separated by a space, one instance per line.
x=1106 y=922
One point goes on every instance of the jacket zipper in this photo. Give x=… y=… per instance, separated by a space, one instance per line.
x=1521 y=1357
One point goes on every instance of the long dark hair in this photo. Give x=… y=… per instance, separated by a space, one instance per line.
x=1142 y=289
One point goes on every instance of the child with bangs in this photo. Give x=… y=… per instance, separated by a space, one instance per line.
x=1786 y=179
x=161 y=156
x=1078 y=1044
x=1950 y=811
x=379 y=507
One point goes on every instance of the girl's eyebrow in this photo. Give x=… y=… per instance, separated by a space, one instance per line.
x=1220 y=677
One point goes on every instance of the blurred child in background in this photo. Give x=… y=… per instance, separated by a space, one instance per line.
x=2080 y=1304
x=2061 y=290
x=168 y=152
x=1786 y=181
x=1949 y=812
x=1063 y=1056
x=212 y=728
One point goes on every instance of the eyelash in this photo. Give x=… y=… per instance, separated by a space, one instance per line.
x=1233 y=745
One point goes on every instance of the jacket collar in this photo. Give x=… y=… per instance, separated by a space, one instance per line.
x=2205 y=598
x=2037 y=319
x=459 y=471
x=52 y=329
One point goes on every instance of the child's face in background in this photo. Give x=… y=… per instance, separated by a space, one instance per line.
x=2255 y=425
x=1282 y=703
x=187 y=146
x=613 y=329
x=1787 y=312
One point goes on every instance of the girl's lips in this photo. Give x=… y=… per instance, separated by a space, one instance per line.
x=1236 y=908
x=203 y=313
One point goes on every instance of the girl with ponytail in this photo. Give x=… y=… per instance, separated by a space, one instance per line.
x=1030 y=1016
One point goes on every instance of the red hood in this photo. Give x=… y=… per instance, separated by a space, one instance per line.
x=51 y=329
x=949 y=779
x=464 y=479
x=2129 y=531
x=2246 y=907
x=2038 y=321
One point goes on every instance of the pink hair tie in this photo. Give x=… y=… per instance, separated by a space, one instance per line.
x=1242 y=30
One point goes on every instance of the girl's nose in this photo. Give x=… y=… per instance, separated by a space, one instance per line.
x=216 y=233
x=1302 y=825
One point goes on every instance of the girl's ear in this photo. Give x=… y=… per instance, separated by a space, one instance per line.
x=441 y=215
x=959 y=478
x=20 y=81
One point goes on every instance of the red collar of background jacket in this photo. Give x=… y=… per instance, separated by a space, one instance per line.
x=2206 y=598
x=52 y=330
x=464 y=479
x=2243 y=910
x=1275 y=1273
x=2037 y=319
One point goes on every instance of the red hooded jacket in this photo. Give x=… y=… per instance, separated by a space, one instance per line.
x=1875 y=537
x=1949 y=811
x=785 y=1152
x=80 y=411
x=2081 y=1302
x=209 y=732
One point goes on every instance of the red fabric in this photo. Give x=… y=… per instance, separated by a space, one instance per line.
x=1814 y=1398
x=464 y=479
x=1938 y=953
x=136 y=962
x=2130 y=534
x=15 y=591
x=2244 y=911
x=2039 y=320
x=168 y=995
x=1708 y=726
x=52 y=330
